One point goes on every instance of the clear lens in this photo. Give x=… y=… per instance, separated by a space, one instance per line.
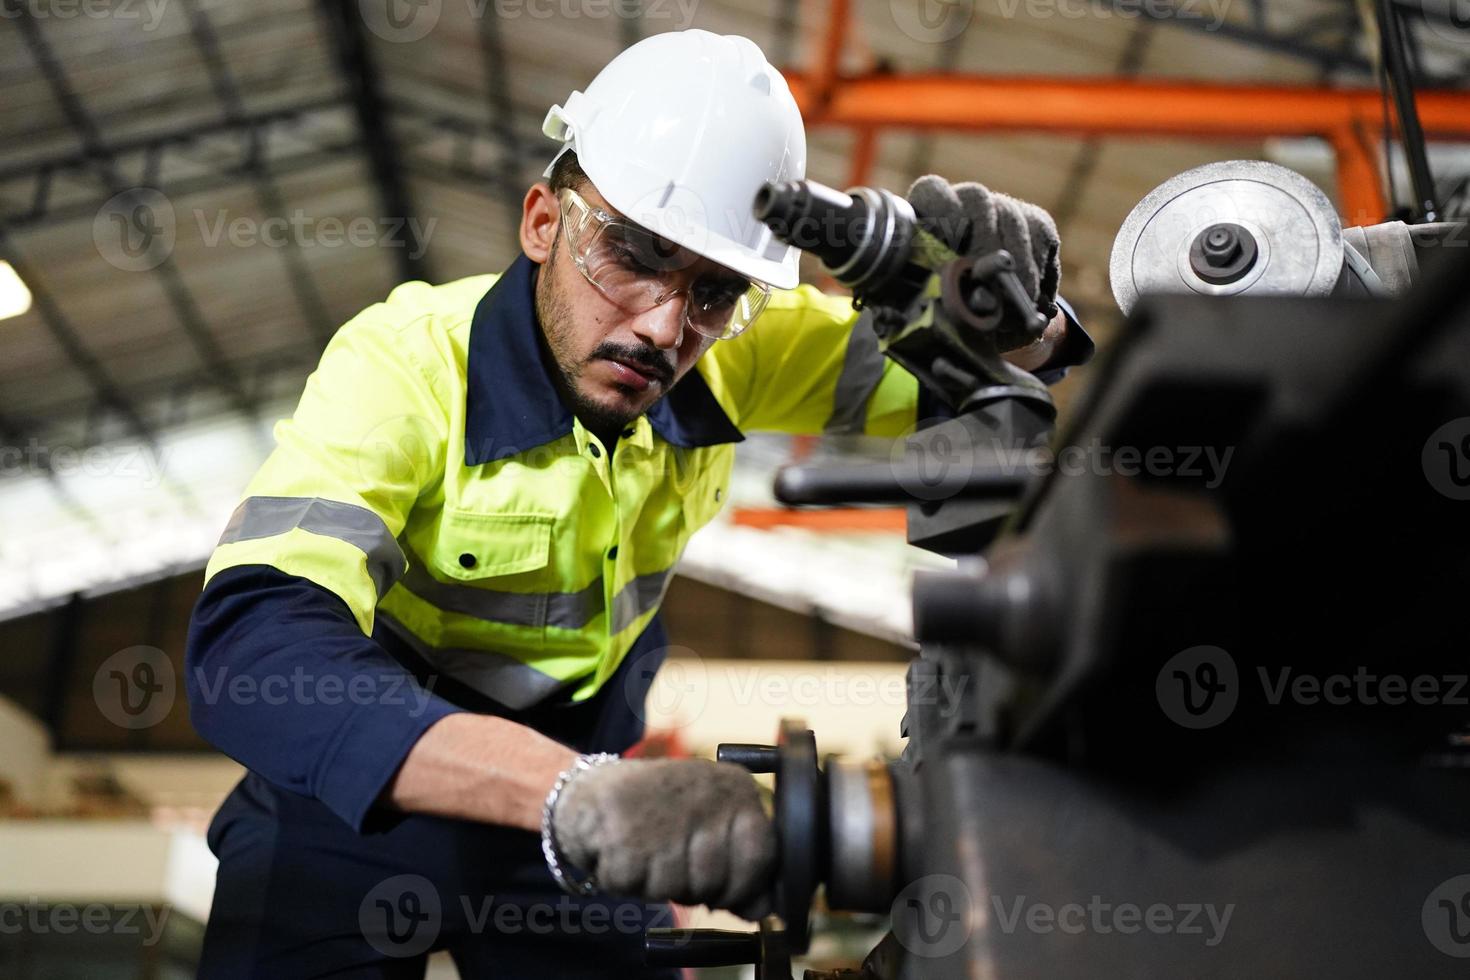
x=638 y=271
x=731 y=314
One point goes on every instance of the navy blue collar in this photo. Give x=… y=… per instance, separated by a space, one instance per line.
x=512 y=404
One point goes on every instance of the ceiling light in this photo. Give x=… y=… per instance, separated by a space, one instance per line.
x=15 y=298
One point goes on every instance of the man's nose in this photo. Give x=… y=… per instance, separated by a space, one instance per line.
x=663 y=325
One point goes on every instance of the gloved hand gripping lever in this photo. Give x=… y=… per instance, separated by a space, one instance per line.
x=944 y=316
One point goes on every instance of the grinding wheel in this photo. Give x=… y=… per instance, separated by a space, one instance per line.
x=1240 y=226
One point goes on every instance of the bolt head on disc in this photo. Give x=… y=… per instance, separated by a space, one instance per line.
x=1293 y=225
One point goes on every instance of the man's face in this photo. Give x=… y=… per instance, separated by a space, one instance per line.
x=614 y=364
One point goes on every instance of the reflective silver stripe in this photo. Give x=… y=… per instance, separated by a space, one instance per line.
x=496 y=675
x=638 y=597
x=862 y=369
x=564 y=610
x=265 y=517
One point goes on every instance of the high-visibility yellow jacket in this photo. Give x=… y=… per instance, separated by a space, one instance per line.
x=433 y=480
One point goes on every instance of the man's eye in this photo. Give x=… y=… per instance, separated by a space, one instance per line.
x=717 y=295
x=631 y=261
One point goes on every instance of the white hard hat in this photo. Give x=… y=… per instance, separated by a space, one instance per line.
x=679 y=132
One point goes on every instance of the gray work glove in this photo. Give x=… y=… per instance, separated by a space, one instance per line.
x=683 y=830
x=972 y=220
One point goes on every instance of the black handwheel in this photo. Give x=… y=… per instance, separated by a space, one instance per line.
x=799 y=828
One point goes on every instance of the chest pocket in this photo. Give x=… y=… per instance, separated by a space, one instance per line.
x=494 y=567
x=473 y=547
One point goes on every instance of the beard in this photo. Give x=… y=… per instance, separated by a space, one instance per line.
x=554 y=311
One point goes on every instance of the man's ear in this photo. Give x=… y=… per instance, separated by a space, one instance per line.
x=540 y=220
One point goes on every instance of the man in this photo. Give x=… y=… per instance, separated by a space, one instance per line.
x=449 y=569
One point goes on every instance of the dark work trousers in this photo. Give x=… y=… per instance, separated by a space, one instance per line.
x=300 y=893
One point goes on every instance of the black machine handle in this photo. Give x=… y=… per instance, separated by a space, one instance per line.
x=700 y=947
x=882 y=483
x=754 y=758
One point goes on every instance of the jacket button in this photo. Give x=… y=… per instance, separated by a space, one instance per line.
x=466 y=560
x=612 y=552
x=628 y=433
x=592 y=448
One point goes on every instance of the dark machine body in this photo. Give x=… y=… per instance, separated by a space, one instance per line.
x=1323 y=552
x=1145 y=686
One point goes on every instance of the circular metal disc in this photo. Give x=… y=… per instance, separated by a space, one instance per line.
x=1296 y=229
x=799 y=838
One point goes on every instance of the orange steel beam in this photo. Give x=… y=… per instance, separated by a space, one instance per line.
x=864 y=151
x=828 y=519
x=1358 y=182
x=1104 y=107
x=826 y=72
x=1119 y=107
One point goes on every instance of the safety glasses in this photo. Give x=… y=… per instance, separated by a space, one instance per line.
x=637 y=271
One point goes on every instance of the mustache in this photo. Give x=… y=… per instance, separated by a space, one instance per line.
x=647 y=357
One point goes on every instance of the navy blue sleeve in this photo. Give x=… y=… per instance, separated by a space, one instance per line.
x=281 y=679
x=1076 y=348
